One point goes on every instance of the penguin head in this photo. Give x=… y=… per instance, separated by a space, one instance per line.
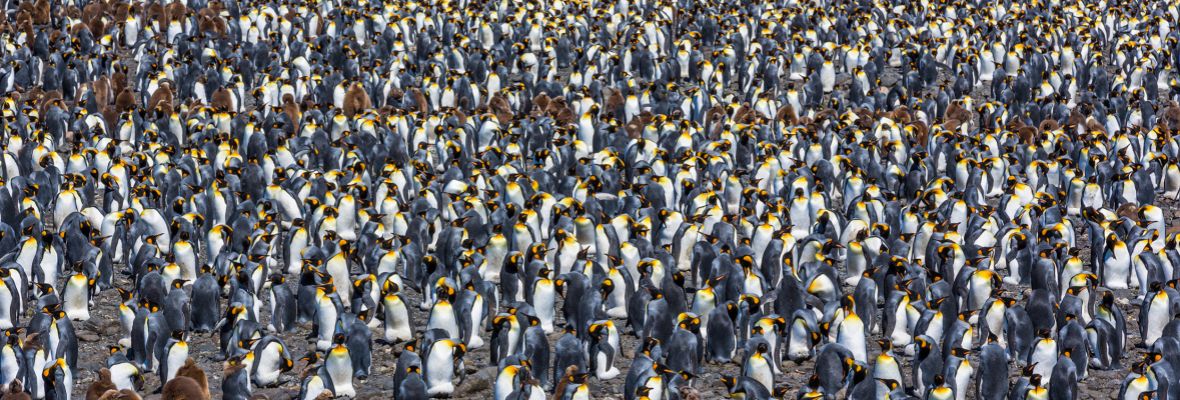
x=691 y=323
x=176 y=334
x=752 y=302
x=13 y=335
x=890 y=384
x=857 y=371
x=43 y=289
x=1107 y=299
x=597 y=330
x=313 y=357
x=607 y=286
x=444 y=291
x=939 y=380
x=1152 y=357
x=233 y=364
x=923 y=345
x=49 y=374
x=762 y=348
x=959 y=352
x=459 y=349
x=729 y=381
x=124 y=294
x=649 y=345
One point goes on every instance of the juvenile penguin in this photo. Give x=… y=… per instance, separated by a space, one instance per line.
x=194 y=372
x=236 y=385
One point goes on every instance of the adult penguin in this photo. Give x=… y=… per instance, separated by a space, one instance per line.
x=536 y=351
x=1157 y=310
x=602 y=353
x=1103 y=341
x=834 y=363
x=58 y=379
x=175 y=354
x=177 y=306
x=408 y=358
x=993 y=370
x=283 y=307
x=396 y=315
x=76 y=296
x=1064 y=383
x=927 y=364
x=472 y=307
x=412 y=386
x=886 y=366
x=270 y=361
x=685 y=349
x=440 y=363
x=568 y=353
x=205 y=309
x=721 y=345
x=339 y=367
x=1020 y=332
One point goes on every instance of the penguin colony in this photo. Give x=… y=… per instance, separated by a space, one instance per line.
x=645 y=199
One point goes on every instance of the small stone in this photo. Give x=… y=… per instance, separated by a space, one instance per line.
x=479 y=381
x=110 y=326
x=88 y=336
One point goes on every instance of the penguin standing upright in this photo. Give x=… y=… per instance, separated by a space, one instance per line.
x=176 y=353
x=338 y=365
x=993 y=371
x=205 y=299
x=1116 y=263
x=396 y=316
x=283 y=306
x=757 y=366
x=439 y=363
x=76 y=296
x=442 y=313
